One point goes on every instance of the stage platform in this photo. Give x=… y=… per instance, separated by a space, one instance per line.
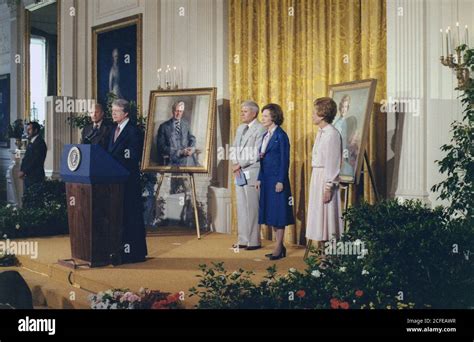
x=172 y=266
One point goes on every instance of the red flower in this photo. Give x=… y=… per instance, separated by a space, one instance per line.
x=173 y=298
x=160 y=304
x=359 y=293
x=344 y=305
x=335 y=303
x=300 y=293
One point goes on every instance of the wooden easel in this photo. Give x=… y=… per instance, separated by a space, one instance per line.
x=346 y=187
x=190 y=177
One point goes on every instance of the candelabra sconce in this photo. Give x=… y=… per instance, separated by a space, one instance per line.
x=170 y=78
x=455 y=62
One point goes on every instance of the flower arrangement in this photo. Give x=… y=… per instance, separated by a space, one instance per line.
x=128 y=300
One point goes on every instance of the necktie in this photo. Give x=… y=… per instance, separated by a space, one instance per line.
x=178 y=127
x=246 y=129
x=96 y=127
x=117 y=133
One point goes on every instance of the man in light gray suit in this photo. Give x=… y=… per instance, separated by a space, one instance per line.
x=246 y=166
x=176 y=145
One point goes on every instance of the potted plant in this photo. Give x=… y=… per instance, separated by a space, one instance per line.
x=15 y=131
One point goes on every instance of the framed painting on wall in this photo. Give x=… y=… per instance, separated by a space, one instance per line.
x=117 y=60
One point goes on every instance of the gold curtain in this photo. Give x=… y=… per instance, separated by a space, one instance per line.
x=288 y=52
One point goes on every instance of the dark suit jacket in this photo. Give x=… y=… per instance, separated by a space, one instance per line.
x=127 y=150
x=169 y=144
x=33 y=161
x=101 y=137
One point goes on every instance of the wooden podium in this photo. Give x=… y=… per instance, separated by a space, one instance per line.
x=94 y=192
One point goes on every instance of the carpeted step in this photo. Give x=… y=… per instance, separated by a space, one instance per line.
x=52 y=294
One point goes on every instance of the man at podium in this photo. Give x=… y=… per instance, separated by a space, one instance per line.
x=125 y=146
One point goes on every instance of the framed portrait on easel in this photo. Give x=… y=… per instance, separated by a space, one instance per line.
x=117 y=60
x=179 y=133
x=355 y=102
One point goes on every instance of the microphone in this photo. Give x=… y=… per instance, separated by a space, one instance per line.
x=90 y=136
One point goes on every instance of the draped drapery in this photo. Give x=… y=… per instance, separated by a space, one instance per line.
x=289 y=52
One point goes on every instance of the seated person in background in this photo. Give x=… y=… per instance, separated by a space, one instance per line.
x=176 y=145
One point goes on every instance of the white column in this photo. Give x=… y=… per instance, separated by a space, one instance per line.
x=406 y=80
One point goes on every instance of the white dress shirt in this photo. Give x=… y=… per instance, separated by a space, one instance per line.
x=267 y=138
x=122 y=125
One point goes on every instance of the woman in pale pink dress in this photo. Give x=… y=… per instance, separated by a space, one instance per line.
x=324 y=221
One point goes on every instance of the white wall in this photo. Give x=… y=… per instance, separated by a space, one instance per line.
x=5 y=68
x=414 y=71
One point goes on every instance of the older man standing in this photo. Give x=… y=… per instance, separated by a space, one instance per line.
x=98 y=132
x=246 y=165
x=125 y=145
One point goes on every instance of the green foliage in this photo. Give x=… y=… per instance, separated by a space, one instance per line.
x=416 y=258
x=44 y=212
x=458 y=164
x=16 y=129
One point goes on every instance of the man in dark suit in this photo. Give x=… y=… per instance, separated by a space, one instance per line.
x=32 y=165
x=175 y=143
x=125 y=145
x=98 y=132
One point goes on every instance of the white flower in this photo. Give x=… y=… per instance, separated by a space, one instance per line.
x=235 y=273
x=292 y=270
x=8 y=205
x=17 y=226
x=342 y=269
x=14 y=209
x=316 y=273
x=5 y=236
x=364 y=272
x=113 y=306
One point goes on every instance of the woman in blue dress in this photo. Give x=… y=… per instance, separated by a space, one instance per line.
x=276 y=202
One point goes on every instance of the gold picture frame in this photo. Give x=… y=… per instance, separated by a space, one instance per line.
x=108 y=28
x=26 y=48
x=355 y=102
x=199 y=103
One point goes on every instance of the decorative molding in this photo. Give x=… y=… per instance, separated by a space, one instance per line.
x=107 y=8
x=4 y=38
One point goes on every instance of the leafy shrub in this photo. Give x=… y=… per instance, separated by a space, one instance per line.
x=44 y=212
x=415 y=258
